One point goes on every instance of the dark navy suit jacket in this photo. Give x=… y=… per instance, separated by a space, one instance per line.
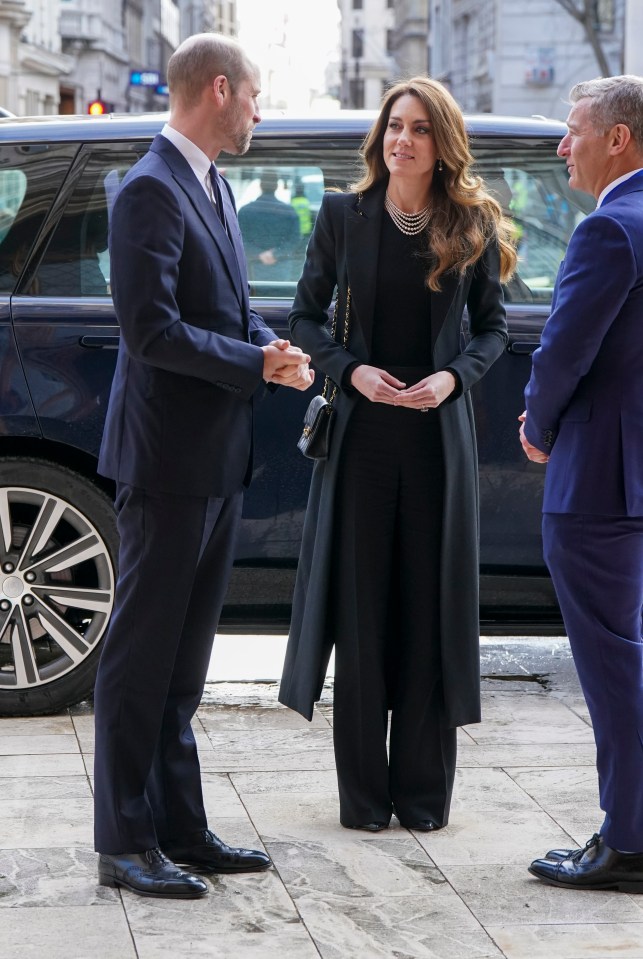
x=585 y=395
x=189 y=362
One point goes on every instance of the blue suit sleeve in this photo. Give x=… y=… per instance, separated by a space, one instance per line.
x=599 y=270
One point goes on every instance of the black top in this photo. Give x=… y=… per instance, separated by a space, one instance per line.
x=402 y=318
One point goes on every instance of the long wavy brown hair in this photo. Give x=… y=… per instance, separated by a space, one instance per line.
x=465 y=218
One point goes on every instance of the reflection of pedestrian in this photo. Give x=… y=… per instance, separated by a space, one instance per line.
x=388 y=572
x=301 y=205
x=585 y=417
x=177 y=443
x=270 y=230
x=515 y=289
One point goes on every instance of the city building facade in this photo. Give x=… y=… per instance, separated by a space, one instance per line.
x=410 y=46
x=32 y=61
x=367 y=64
x=520 y=57
x=93 y=36
x=70 y=56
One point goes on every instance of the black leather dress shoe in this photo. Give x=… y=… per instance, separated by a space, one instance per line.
x=206 y=852
x=594 y=867
x=149 y=873
x=369 y=826
x=557 y=855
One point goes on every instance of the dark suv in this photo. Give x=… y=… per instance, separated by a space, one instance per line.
x=58 y=340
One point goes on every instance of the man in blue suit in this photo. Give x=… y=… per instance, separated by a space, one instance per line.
x=177 y=442
x=584 y=417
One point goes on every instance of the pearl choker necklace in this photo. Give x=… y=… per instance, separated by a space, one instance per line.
x=409 y=223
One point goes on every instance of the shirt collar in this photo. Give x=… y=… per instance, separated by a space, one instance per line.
x=611 y=186
x=198 y=160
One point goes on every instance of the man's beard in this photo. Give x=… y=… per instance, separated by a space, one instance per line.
x=239 y=131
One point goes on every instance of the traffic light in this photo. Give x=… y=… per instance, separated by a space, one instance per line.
x=98 y=107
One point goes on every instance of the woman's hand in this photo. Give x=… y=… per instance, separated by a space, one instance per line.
x=428 y=393
x=376 y=385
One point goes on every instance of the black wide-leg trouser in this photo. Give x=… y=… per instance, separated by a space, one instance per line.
x=386 y=615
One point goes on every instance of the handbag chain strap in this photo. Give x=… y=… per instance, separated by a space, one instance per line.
x=333 y=333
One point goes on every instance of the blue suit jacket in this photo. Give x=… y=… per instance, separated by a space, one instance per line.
x=585 y=396
x=180 y=410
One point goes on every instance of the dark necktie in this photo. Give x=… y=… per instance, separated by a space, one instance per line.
x=216 y=191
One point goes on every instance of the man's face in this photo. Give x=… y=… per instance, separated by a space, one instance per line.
x=241 y=116
x=585 y=151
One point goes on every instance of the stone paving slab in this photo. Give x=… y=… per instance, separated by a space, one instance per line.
x=525 y=783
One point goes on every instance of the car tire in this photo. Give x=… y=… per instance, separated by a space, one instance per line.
x=58 y=557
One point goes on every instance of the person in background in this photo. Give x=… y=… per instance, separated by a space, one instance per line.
x=270 y=230
x=584 y=418
x=301 y=205
x=177 y=443
x=388 y=572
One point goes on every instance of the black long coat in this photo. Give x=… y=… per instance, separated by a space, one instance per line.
x=343 y=252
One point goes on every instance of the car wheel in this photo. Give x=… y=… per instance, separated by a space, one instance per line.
x=58 y=554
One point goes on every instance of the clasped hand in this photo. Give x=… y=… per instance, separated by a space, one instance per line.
x=286 y=365
x=531 y=452
x=381 y=387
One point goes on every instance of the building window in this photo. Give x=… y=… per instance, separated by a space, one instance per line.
x=358 y=44
x=390 y=4
x=390 y=41
x=604 y=15
x=32 y=103
x=358 y=4
x=356 y=92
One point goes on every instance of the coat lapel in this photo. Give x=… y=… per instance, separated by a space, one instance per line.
x=230 y=212
x=363 y=222
x=441 y=304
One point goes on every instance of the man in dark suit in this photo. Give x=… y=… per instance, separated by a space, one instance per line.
x=271 y=234
x=584 y=417
x=177 y=442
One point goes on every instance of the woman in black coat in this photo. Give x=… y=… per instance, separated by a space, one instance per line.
x=388 y=572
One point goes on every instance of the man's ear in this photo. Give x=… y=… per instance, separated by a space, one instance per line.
x=619 y=138
x=221 y=89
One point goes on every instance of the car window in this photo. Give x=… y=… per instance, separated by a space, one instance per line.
x=531 y=185
x=13 y=186
x=277 y=201
x=30 y=176
x=76 y=260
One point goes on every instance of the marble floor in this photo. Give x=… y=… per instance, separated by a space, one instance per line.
x=525 y=783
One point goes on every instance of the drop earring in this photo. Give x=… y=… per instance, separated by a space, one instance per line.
x=439 y=164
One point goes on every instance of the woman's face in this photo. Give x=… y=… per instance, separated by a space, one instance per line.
x=408 y=145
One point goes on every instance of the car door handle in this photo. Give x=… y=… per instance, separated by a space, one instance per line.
x=522 y=347
x=100 y=342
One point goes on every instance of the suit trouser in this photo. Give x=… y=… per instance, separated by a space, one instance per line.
x=596 y=563
x=175 y=559
x=386 y=575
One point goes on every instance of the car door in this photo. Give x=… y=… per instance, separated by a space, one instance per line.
x=62 y=310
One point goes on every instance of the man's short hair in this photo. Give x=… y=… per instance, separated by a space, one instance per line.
x=614 y=100
x=269 y=181
x=202 y=57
